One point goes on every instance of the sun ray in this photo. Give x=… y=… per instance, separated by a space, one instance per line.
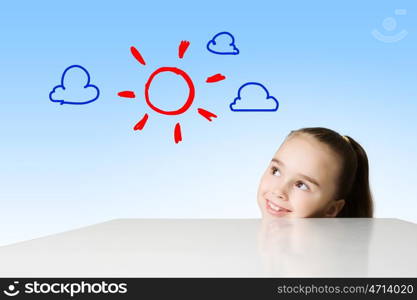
x=127 y=94
x=206 y=114
x=182 y=48
x=215 y=78
x=141 y=123
x=177 y=133
x=137 y=55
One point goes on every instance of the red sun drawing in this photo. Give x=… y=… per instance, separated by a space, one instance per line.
x=191 y=91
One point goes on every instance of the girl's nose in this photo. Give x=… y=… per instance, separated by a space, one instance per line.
x=280 y=190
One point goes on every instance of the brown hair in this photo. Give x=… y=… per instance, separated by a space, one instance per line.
x=354 y=178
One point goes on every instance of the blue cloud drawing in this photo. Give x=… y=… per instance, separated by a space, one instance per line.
x=75 y=87
x=223 y=43
x=253 y=96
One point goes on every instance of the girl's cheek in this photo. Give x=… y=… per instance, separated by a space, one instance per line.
x=265 y=182
x=303 y=204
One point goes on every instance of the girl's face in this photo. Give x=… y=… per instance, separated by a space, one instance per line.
x=301 y=180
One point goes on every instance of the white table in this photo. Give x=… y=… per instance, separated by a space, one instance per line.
x=220 y=248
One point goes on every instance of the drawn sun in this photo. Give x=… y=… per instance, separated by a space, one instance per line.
x=177 y=130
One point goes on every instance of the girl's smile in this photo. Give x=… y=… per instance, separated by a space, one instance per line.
x=275 y=209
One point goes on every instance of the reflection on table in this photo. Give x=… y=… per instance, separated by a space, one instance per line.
x=220 y=248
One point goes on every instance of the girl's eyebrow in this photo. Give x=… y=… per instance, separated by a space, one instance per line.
x=308 y=178
x=277 y=161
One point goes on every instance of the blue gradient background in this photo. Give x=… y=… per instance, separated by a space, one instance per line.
x=66 y=166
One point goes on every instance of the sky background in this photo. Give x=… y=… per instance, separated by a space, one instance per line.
x=68 y=166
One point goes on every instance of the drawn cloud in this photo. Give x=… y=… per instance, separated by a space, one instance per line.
x=75 y=87
x=253 y=96
x=223 y=43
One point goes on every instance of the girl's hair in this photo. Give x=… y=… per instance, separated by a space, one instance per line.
x=354 y=178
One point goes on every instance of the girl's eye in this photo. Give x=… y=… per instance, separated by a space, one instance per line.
x=302 y=186
x=275 y=171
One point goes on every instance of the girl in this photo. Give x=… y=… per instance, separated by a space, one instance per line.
x=316 y=173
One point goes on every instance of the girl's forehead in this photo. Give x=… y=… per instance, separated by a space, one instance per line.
x=304 y=153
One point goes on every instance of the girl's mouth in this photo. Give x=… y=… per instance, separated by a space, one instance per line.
x=276 y=210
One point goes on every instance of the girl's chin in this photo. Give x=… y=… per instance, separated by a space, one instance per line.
x=274 y=216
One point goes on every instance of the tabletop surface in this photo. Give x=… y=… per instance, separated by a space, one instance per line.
x=220 y=248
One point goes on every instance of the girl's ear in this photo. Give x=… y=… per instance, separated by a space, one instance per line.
x=334 y=208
